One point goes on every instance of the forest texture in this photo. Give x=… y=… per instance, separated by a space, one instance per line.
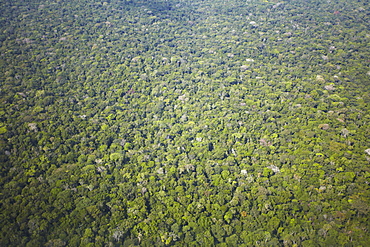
x=184 y=123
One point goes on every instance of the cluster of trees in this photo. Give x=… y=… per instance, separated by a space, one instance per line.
x=193 y=123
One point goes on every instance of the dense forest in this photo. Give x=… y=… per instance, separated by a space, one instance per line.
x=185 y=123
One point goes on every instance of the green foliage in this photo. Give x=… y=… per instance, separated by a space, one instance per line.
x=184 y=123
x=3 y=129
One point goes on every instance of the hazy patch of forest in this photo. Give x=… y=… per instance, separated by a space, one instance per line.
x=184 y=123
